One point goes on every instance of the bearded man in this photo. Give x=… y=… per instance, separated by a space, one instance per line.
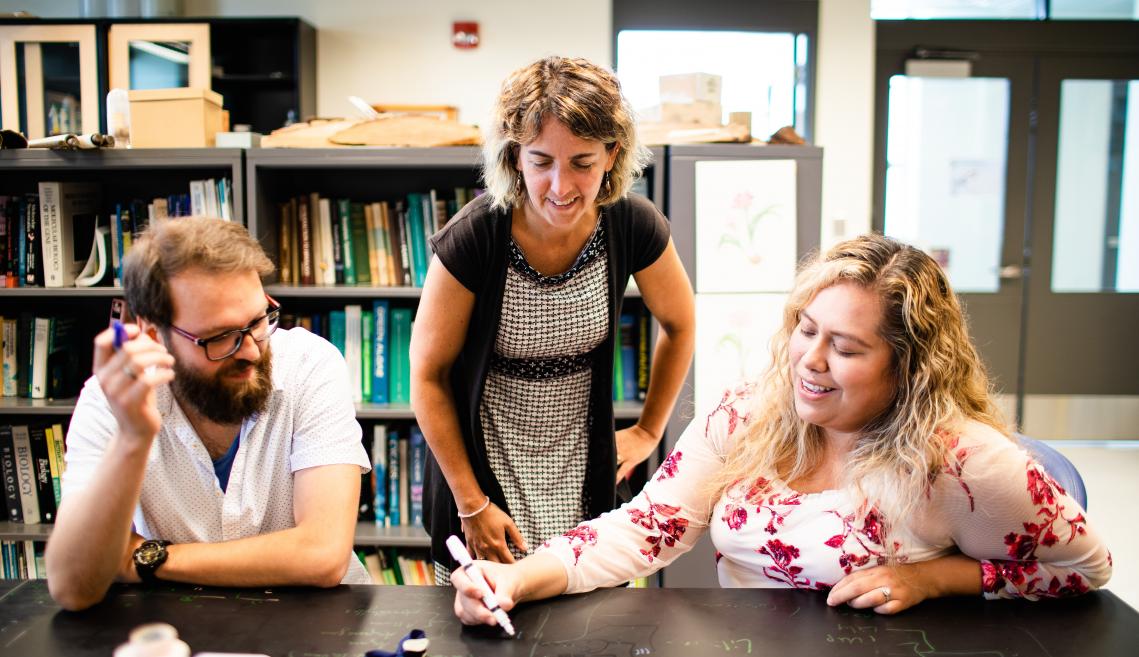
x=208 y=447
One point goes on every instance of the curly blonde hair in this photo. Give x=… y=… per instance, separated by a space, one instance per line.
x=940 y=379
x=583 y=96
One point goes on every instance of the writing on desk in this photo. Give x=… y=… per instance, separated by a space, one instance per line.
x=852 y=634
x=743 y=646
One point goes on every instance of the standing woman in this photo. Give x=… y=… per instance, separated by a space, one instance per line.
x=512 y=354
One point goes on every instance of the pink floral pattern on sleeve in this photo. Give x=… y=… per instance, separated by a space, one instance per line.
x=579 y=537
x=671 y=465
x=663 y=520
x=728 y=403
x=1021 y=575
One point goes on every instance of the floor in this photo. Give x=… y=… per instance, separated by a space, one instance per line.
x=1110 y=470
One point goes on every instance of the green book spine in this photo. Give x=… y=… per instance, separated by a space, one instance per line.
x=344 y=219
x=367 y=347
x=399 y=380
x=359 y=231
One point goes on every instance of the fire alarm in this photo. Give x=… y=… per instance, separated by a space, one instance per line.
x=465 y=35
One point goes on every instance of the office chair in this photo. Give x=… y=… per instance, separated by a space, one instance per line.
x=1057 y=466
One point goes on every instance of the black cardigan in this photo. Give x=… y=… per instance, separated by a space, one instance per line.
x=473 y=247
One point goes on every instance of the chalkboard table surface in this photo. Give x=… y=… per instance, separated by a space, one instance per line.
x=350 y=620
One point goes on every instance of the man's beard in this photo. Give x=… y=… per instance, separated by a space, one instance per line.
x=221 y=400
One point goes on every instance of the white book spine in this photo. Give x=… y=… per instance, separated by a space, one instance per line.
x=353 y=350
x=39 y=358
x=52 y=240
x=327 y=259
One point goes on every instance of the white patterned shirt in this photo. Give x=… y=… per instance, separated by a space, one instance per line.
x=309 y=422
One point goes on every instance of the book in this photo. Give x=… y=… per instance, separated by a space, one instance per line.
x=4 y=260
x=68 y=219
x=628 y=353
x=329 y=245
x=403 y=483
x=360 y=257
x=9 y=476
x=116 y=249
x=368 y=350
x=38 y=358
x=63 y=370
x=417 y=247
x=304 y=225
x=372 y=244
x=33 y=235
x=337 y=331
x=379 y=473
x=9 y=362
x=417 y=455
x=285 y=237
x=41 y=469
x=394 y=469
x=400 y=252
x=399 y=362
x=59 y=438
x=25 y=336
x=53 y=436
x=380 y=350
x=353 y=350
x=25 y=474
x=347 y=250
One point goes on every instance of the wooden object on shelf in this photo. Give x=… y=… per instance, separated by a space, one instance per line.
x=445 y=112
x=197 y=35
x=408 y=130
x=29 y=36
x=414 y=131
x=175 y=118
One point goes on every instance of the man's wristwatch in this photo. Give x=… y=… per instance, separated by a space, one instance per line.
x=148 y=557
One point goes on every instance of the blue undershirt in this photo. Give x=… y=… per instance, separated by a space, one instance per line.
x=223 y=465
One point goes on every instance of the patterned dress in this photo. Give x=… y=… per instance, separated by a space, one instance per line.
x=991 y=501
x=535 y=410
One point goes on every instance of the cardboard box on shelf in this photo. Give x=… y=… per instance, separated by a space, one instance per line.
x=175 y=118
x=690 y=88
x=700 y=112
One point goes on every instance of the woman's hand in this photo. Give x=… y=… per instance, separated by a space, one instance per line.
x=128 y=377
x=469 y=607
x=887 y=589
x=634 y=445
x=487 y=535
x=890 y=589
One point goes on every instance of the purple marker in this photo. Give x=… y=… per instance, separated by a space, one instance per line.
x=120 y=334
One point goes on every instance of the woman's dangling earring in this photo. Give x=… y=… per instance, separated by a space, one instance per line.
x=608 y=185
x=518 y=184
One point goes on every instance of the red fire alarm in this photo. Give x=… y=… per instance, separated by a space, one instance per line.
x=465 y=35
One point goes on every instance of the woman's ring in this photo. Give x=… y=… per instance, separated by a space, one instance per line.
x=885 y=593
x=129 y=371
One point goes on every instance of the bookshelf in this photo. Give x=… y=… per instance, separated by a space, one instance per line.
x=261 y=179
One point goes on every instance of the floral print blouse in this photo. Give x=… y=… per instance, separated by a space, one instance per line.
x=994 y=503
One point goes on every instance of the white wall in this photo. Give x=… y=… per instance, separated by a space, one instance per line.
x=400 y=52
x=844 y=116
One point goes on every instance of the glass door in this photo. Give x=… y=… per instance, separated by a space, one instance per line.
x=1082 y=353
x=954 y=185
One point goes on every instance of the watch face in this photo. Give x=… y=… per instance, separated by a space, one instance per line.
x=150 y=552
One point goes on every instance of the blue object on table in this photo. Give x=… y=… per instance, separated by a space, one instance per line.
x=1057 y=466
x=416 y=647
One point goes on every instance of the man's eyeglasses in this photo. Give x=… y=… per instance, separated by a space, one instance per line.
x=224 y=345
